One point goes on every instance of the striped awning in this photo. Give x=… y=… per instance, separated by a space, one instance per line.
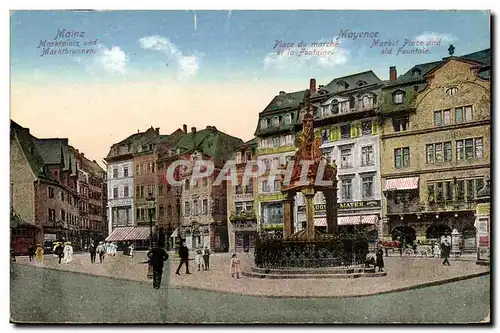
x=349 y=220
x=369 y=219
x=320 y=222
x=409 y=183
x=119 y=234
x=138 y=233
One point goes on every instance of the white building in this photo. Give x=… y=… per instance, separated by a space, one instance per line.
x=120 y=195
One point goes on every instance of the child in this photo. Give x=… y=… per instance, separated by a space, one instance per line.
x=235 y=266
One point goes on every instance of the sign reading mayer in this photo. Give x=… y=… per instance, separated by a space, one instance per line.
x=343 y=205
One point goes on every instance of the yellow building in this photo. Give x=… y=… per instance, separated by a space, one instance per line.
x=435 y=147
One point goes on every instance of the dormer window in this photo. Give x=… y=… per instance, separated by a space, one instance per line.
x=397 y=97
x=367 y=101
x=279 y=102
x=341 y=85
x=415 y=72
x=451 y=91
x=288 y=119
x=263 y=123
x=361 y=83
x=276 y=122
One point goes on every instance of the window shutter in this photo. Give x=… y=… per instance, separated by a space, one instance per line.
x=374 y=127
x=355 y=129
x=334 y=133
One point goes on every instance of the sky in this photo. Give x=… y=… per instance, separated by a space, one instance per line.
x=203 y=68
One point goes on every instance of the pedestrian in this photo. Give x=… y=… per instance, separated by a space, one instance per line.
x=114 y=248
x=446 y=252
x=379 y=262
x=199 y=259
x=184 y=255
x=39 y=255
x=131 y=247
x=92 y=251
x=59 y=251
x=101 y=249
x=31 y=252
x=235 y=266
x=68 y=253
x=206 y=258
x=157 y=256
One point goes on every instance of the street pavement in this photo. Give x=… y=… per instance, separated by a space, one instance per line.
x=51 y=296
x=402 y=272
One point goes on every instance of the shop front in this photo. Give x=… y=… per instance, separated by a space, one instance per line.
x=245 y=233
x=483 y=224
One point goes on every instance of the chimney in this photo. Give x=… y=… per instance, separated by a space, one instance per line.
x=185 y=128
x=312 y=86
x=157 y=130
x=282 y=92
x=393 y=74
x=83 y=155
x=138 y=131
x=193 y=129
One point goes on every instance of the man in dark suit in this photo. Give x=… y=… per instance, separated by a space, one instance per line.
x=446 y=248
x=157 y=257
x=184 y=255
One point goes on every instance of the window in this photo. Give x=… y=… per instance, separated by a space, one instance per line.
x=451 y=91
x=439 y=191
x=161 y=211
x=400 y=124
x=152 y=167
x=397 y=98
x=469 y=149
x=367 y=156
x=205 y=207
x=169 y=210
x=430 y=153
x=138 y=214
x=276 y=141
x=62 y=196
x=125 y=191
x=63 y=215
x=478 y=151
x=479 y=184
x=195 y=207
x=238 y=207
x=346 y=189
x=430 y=193
x=205 y=182
x=52 y=214
x=115 y=192
x=325 y=135
x=468 y=113
x=276 y=122
x=438 y=121
x=447 y=151
x=345 y=158
x=367 y=102
x=446 y=117
x=115 y=172
x=265 y=186
x=148 y=168
x=367 y=187
x=366 y=127
x=187 y=209
x=402 y=157
x=277 y=185
x=460 y=150
x=288 y=119
x=263 y=123
x=449 y=193
x=460 y=190
x=288 y=141
x=344 y=107
x=186 y=185
x=459 y=115
x=125 y=171
x=470 y=189
x=345 y=131
x=51 y=192
x=439 y=152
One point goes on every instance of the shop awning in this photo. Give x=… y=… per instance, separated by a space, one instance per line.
x=138 y=233
x=320 y=222
x=409 y=183
x=349 y=220
x=119 y=234
x=369 y=219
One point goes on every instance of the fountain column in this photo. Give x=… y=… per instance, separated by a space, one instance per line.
x=331 y=212
x=288 y=215
x=309 y=195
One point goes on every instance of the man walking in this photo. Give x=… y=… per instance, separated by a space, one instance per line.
x=102 y=250
x=157 y=256
x=446 y=252
x=92 y=251
x=59 y=251
x=31 y=252
x=206 y=258
x=184 y=255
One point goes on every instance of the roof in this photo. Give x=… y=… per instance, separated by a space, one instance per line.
x=30 y=149
x=133 y=140
x=368 y=78
x=284 y=102
x=57 y=151
x=210 y=141
x=17 y=221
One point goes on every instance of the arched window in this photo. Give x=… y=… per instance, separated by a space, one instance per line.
x=451 y=91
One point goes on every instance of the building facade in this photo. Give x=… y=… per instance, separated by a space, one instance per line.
x=242 y=219
x=435 y=147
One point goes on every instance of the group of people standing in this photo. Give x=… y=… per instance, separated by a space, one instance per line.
x=62 y=250
x=203 y=259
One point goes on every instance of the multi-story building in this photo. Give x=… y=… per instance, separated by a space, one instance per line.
x=346 y=120
x=44 y=189
x=435 y=146
x=275 y=139
x=242 y=220
x=204 y=202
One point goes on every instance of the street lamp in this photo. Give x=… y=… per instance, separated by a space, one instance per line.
x=151 y=207
x=178 y=195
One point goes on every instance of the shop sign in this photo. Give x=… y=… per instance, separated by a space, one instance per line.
x=271 y=197
x=343 y=205
x=483 y=209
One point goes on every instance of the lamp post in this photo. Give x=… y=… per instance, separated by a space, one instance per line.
x=151 y=206
x=178 y=195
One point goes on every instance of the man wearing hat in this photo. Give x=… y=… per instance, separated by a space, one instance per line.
x=59 y=251
x=101 y=249
x=157 y=256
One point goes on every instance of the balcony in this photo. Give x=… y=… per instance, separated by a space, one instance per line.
x=421 y=207
x=242 y=215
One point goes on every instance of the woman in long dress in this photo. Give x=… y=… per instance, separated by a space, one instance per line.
x=68 y=253
x=39 y=255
